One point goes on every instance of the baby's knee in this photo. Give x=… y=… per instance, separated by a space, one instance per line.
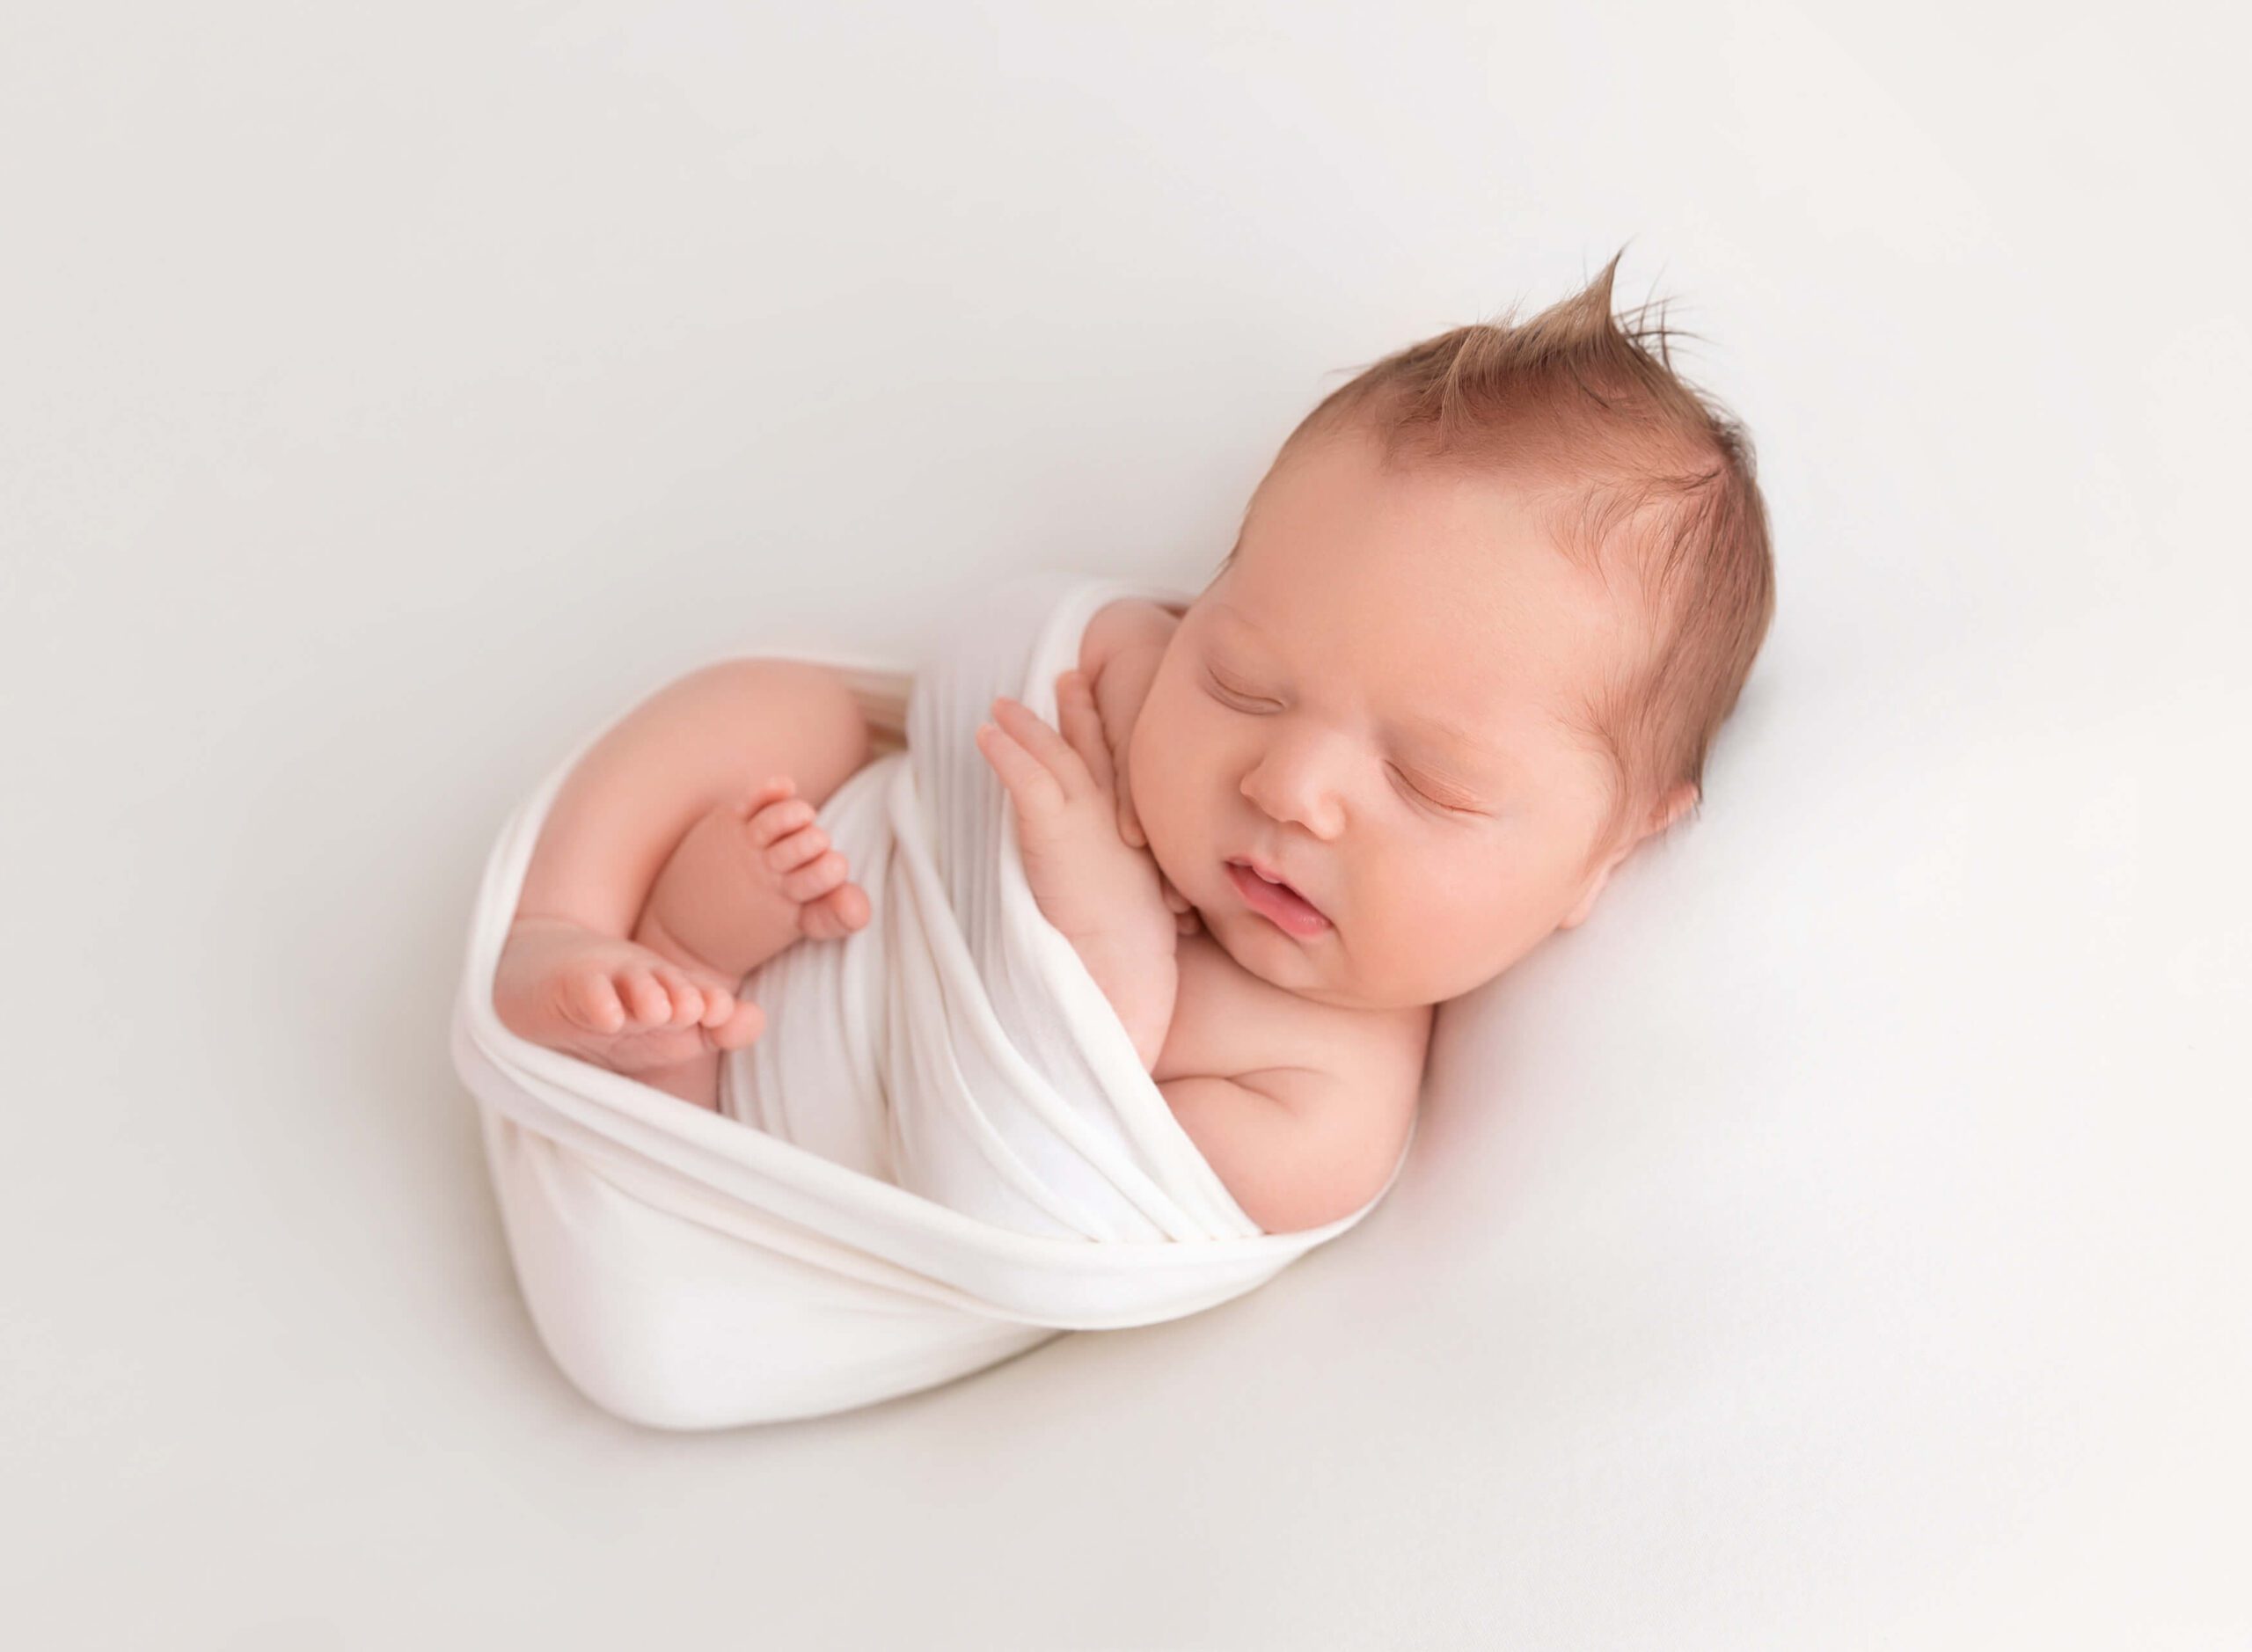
x=809 y=711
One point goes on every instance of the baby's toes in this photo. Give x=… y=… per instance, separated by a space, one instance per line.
x=646 y=1001
x=719 y=1004
x=589 y=998
x=687 y=997
x=769 y=793
x=788 y=854
x=777 y=821
x=817 y=877
x=836 y=914
x=744 y=1022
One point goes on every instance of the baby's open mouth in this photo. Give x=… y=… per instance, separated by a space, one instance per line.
x=1289 y=910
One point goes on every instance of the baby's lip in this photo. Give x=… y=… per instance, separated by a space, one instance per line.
x=1273 y=875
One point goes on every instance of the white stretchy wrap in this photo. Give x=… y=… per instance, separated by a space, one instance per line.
x=953 y=1153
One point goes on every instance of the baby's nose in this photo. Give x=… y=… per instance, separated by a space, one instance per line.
x=1292 y=785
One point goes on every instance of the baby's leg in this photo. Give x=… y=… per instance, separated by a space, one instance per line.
x=572 y=975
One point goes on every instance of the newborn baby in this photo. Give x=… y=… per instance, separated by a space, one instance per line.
x=1485 y=615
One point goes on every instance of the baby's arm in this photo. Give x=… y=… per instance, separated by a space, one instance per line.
x=1297 y=1145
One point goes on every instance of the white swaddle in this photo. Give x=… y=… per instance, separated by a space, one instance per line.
x=954 y=1153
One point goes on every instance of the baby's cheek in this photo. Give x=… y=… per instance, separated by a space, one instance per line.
x=1159 y=798
x=1145 y=758
x=1157 y=802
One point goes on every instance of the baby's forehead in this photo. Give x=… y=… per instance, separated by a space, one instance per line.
x=1457 y=691
x=1553 y=622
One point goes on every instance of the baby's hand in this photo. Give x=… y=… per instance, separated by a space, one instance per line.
x=1121 y=685
x=1119 y=691
x=1099 y=891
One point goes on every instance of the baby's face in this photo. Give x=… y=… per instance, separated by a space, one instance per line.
x=1298 y=720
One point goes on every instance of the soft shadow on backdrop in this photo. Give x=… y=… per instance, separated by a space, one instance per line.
x=1838 y=1241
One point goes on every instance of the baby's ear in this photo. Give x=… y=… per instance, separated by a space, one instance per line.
x=1675 y=804
x=1678 y=802
x=1578 y=916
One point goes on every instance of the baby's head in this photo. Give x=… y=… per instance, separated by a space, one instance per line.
x=1485 y=614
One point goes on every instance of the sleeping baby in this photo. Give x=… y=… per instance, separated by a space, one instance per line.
x=1485 y=614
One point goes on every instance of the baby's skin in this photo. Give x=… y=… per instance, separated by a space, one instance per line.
x=747 y=880
x=1371 y=706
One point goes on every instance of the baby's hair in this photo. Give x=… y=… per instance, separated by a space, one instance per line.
x=1638 y=471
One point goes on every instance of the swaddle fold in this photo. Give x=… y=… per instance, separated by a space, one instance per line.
x=942 y=1150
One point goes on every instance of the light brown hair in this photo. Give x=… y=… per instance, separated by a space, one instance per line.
x=1641 y=474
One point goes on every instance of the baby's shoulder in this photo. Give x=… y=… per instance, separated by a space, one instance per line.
x=1227 y=1021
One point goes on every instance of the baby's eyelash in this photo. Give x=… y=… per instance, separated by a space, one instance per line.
x=1226 y=693
x=1228 y=697
x=1451 y=808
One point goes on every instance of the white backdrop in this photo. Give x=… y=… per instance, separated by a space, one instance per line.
x=1838 y=1242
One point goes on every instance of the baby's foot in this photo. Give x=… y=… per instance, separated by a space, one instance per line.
x=613 y=1002
x=749 y=879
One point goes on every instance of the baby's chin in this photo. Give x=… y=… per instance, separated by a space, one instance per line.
x=1261 y=949
x=1271 y=956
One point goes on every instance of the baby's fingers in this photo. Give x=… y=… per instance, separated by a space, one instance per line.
x=1044 y=744
x=1082 y=726
x=1028 y=781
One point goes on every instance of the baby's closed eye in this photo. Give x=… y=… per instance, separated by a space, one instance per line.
x=1429 y=793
